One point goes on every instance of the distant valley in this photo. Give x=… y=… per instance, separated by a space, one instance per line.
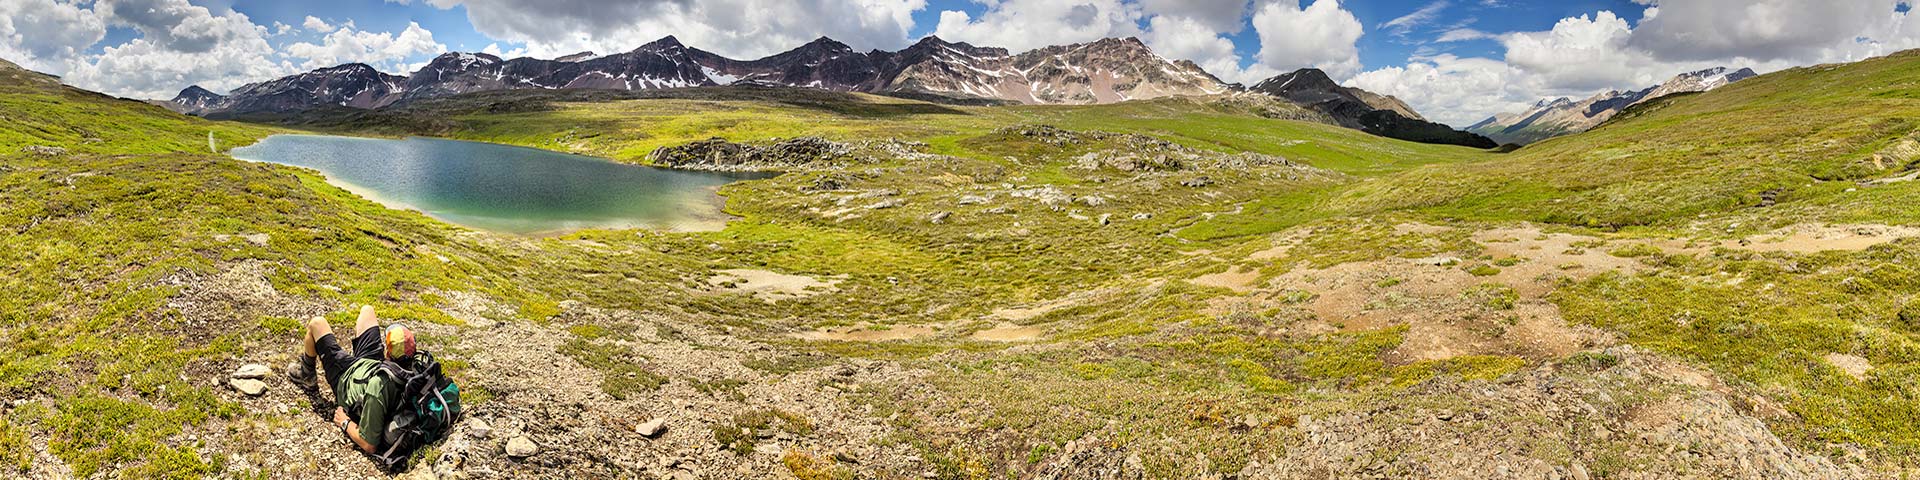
x=1561 y=116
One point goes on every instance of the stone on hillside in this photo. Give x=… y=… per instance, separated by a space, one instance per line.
x=522 y=447
x=43 y=150
x=252 y=371
x=652 y=428
x=251 y=387
x=939 y=217
x=479 y=429
x=1197 y=182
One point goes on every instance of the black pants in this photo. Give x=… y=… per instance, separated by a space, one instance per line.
x=335 y=360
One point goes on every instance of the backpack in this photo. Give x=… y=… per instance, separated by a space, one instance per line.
x=426 y=409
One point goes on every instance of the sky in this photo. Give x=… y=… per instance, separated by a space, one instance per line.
x=1455 y=61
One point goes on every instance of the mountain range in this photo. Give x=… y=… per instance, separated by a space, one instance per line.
x=1550 y=118
x=1105 y=71
x=1366 y=111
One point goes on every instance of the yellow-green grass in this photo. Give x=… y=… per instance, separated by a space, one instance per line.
x=628 y=129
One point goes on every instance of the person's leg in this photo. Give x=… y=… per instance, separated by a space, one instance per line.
x=301 y=372
x=316 y=328
x=367 y=320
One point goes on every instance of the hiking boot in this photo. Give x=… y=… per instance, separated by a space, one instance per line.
x=301 y=373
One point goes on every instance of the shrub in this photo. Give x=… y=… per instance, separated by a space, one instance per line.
x=1635 y=250
x=1493 y=295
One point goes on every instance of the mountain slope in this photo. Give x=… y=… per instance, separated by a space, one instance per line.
x=1105 y=71
x=1350 y=107
x=39 y=111
x=1562 y=116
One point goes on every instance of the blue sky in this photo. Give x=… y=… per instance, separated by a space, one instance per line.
x=1457 y=61
x=1378 y=47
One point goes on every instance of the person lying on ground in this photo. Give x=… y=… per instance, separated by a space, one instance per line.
x=365 y=397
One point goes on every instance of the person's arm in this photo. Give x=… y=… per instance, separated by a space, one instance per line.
x=352 y=430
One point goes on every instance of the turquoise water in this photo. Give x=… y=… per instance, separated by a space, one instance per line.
x=504 y=188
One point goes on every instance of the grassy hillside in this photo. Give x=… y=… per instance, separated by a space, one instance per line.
x=1256 y=296
x=626 y=126
x=1804 y=136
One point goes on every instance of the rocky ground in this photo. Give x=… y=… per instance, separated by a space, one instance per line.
x=1590 y=408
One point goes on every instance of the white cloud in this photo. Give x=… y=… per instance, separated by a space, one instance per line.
x=44 y=34
x=1185 y=38
x=180 y=44
x=1584 y=52
x=1406 y=23
x=1021 y=25
x=1464 y=34
x=1804 y=30
x=1224 y=16
x=1322 y=35
x=1451 y=90
x=317 y=25
x=736 y=28
x=384 y=51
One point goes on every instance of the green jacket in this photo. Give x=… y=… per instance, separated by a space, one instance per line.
x=363 y=389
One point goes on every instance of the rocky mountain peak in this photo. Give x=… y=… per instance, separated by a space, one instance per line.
x=1360 y=109
x=195 y=92
x=578 y=57
x=667 y=45
x=931 y=40
x=822 y=46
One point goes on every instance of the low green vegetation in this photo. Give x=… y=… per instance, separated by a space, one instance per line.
x=747 y=428
x=1202 y=377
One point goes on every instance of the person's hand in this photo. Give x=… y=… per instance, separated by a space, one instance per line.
x=339 y=416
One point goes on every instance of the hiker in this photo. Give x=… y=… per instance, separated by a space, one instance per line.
x=365 y=395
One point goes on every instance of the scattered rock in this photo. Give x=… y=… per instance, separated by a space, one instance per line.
x=43 y=150
x=939 y=217
x=652 y=428
x=1142 y=216
x=1197 y=182
x=1438 y=261
x=720 y=154
x=251 y=387
x=973 y=200
x=479 y=429
x=1048 y=195
x=1853 y=365
x=522 y=447
x=252 y=371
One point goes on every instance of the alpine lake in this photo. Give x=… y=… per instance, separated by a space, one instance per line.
x=507 y=189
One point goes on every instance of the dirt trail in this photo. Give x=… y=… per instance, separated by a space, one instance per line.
x=770 y=286
x=866 y=333
x=1817 y=238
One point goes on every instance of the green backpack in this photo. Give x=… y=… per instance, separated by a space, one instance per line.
x=425 y=411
